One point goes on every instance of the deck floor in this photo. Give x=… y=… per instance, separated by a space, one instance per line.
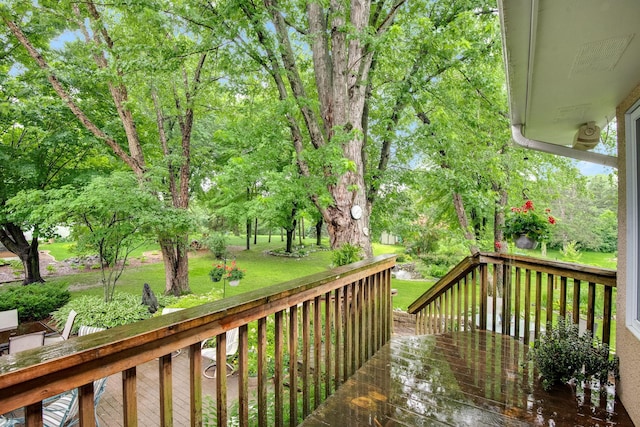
x=462 y=379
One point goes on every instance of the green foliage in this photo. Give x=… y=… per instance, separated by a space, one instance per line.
x=216 y=272
x=233 y=272
x=93 y=311
x=437 y=264
x=570 y=252
x=526 y=220
x=217 y=244
x=346 y=254
x=35 y=301
x=562 y=354
x=192 y=300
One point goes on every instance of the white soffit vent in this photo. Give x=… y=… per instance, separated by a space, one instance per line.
x=601 y=55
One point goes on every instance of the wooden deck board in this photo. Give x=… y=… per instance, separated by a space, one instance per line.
x=460 y=379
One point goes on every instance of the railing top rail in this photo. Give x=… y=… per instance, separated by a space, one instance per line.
x=463 y=268
x=603 y=276
x=46 y=371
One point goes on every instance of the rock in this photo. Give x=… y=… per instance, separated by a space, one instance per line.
x=149 y=299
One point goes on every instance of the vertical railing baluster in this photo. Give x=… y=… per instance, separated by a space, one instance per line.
x=338 y=332
x=317 y=353
x=483 y=296
x=221 y=380
x=591 y=305
x=606 y=315
x=474 y=300
x=306 y=351
x=563 y=296
x=130 y=398
x=517 y=298
x=33 y=414
x=538 y=303
x=166 y=400
x=527 y=306
x=466 y=302
x=506 y=299
x=195 y=387
x=549 y=305
x=494 y=305
x=243 y=372
x=263 y=408
x=86 y=413
x=293 y=366
x=328 y=319
x=459 y=307
x=278 y=383
x=576 y=301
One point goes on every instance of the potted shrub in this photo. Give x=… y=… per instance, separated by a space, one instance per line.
x=526 y=226
x=234 y=274
x=561 y=355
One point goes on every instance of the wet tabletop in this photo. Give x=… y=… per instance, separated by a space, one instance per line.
x=465 y=378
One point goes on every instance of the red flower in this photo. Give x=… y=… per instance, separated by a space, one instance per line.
x=547 y=210
x=552 y=220
x=498 y=245
x=528 y=205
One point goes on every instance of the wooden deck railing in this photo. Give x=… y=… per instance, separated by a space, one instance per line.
x=517 y=295
x=334 y=322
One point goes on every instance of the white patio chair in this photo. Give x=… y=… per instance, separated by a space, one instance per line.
x=65 y=332
x=86 y=330
x=233 y=341
x=8 y=320
x=62 y=410
x=26 y=342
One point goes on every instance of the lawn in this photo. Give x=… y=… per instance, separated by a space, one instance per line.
x=261 y=269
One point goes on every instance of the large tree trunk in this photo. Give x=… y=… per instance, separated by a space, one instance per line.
x=319 y=232
x=464 y=223
x=176 y=265
x=13 y=238
x=342 y=61
x=290 y=237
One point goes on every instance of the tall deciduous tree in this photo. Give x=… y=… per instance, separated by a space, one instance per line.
x=128 y=50
x=36 y=154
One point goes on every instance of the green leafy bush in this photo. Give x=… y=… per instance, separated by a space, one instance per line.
x=562 y=354
x=570 y=252
x=35 y=301
x=346 y=254
x=217 y=244
x=93 y=311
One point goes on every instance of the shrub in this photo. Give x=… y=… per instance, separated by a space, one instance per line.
x=93 y=311
x=570 y=252
x=217 y=244
x=346 y=254
x=35 y=301
x=562 y=354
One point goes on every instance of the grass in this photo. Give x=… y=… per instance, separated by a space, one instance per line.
x=261 y=270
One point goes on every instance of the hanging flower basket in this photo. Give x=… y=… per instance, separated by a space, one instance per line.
x=234 y=282
x=525 y=242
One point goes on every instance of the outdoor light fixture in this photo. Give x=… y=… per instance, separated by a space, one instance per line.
x=587 y=137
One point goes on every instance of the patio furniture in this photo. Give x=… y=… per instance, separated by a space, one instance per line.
x=233 y=341
x=26 y=342
x=22 y=329
x=62 y=410
x=65 y=332
x=8 y=320
x=86 y=330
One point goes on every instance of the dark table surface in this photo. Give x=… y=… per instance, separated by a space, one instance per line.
x=23 y=329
